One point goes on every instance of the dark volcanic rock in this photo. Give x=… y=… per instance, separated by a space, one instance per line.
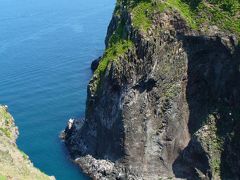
x=168 y=108
x=95 y=63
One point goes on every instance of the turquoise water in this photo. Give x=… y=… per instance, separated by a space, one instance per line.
x=46 y=47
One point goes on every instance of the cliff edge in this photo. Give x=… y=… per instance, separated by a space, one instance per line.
x=14 y=164
x=164 y=101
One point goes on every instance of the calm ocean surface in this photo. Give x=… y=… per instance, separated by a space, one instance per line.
x=46 y=48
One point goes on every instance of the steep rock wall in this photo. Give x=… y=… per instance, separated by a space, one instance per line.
x=160 y=109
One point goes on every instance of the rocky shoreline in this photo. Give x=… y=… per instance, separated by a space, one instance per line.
x=14 y=163
x=167 y=107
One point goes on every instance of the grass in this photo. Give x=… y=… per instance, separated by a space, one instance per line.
x=143 y=11
x=117 y=36
x=5 y=119
x=6 y=132
x=223 y=19
x=184 y=10
x=212 y=12
x=141 y=15
x=111 y=54
x=223 y=13
x=117 y=45
x=3 y=177
x=5 y=115
x=229 y=6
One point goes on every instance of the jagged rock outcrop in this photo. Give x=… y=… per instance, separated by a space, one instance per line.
x=167 y=107
x=95 y=63
x=14 y=164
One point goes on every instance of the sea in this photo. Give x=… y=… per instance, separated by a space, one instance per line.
x=46 y=49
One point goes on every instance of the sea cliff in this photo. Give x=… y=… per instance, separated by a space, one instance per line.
x=163 y=101
x=14 y=163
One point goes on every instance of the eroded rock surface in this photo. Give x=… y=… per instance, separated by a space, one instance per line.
x=167 y=108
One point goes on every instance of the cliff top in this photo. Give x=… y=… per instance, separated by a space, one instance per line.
x=207 y=17
x=199 y=14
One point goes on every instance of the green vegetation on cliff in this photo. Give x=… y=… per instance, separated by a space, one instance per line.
x=112 y=53
x=207 y=16
x=117 y=46
x=199 y=14
x=14 y=164
x=222 y=13
x=225 y=14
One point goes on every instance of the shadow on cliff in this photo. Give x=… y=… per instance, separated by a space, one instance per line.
x=212 y=90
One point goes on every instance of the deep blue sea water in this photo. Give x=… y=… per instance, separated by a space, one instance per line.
x=46 y=47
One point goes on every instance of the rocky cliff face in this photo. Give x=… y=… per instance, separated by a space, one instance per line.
x=14 y=164
x=164 y=100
